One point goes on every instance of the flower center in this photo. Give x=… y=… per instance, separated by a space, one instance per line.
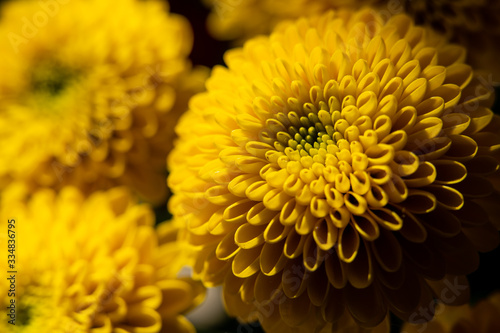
x=307 y=135
x=23 y=315
x=51 y=79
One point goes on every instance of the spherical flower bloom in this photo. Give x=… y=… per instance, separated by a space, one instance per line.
x=472 y=23
x=337 y=170
x=241 y=19
x=91 y=91
x=484 y=317
x=93 y=265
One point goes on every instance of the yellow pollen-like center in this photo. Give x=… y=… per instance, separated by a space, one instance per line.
x=306 y=135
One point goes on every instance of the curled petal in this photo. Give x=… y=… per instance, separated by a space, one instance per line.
x=237 y=212
x=272 y=259
x=305 y=224
x=325 y=234
x=424 y=130
x=334 y=198
x=291 y=213
x=355 y=203
x=405 y=163
x=419 y=202
x=246 y=262
x=257 y=190
x=379 y=174
x=424 y=175
x=312 y=256
x=348 y=244
x=431 y=107
x=380 y=154
x=387 y=218
x=360 y=271
x=446 y=196
x=455 y=123
x=463 y=148
x=227 y=248
x=432 y=149
x=293 y=245
x=396 y=139
x=276 y=199
x=396 y=189
x=366 y=226
x=239 y=184
x=275 y=231
x=449 y=172
x=259 y=214
x=376 y=197
x=248 y=236
x=339 y=217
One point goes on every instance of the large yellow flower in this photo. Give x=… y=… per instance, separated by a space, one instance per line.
x=92 y=265
x=484 y=317
x=473 y=23
x=91 y=91
x=334 y=169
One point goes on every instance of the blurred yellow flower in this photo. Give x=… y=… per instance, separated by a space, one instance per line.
x=242 y=19
x=484 y=317
x=473 y=23
x=93 y=265
x=91 y=91
x=334 y=169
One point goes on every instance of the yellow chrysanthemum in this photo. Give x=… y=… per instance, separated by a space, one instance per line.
x=473 y=23
x=242 y=19
x=91 y=91
x=92 y=265
x=334 y=169
x=484 y=317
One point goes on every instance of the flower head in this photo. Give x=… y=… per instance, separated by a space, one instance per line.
x=90 y=99
x=241 y=19
x=473 y=23
x=93 y=265
x=484 y=317
x=334 y=169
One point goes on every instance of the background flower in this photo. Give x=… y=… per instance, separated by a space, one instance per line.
x=483 y=317
x=93 y=265
x=472 y=23
x=337 y=171
x=91 y=91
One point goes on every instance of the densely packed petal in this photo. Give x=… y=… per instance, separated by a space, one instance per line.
x=92 y=265
x=340 y=169
x=473 y=23
x=91 y=99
